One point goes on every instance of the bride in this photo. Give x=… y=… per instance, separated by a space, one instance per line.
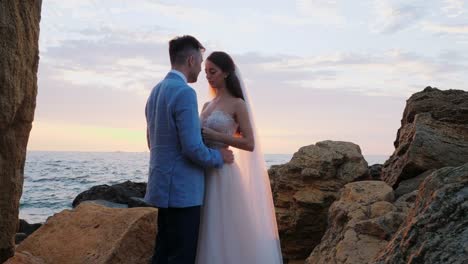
x=238 y=223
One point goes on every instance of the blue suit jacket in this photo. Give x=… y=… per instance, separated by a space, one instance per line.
x=177 y=153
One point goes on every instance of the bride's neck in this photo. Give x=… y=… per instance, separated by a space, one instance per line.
x=222 y=92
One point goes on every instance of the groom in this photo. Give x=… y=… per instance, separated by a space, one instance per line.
x=177 y=155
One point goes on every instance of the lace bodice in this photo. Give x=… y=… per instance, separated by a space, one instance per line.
x=220 y=122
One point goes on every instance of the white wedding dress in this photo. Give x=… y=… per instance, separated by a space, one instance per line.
x=238 y=225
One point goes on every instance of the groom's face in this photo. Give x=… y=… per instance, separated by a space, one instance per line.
x=195 y=65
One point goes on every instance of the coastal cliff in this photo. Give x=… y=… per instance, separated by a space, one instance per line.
x=19 y=59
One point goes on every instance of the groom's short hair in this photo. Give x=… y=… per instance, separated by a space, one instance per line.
x=180 y=48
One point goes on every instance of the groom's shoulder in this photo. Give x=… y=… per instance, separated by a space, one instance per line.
x=175 y=81
x=185 y=90
x=173 y=85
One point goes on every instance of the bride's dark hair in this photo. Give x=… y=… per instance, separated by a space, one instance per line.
x=226 y=64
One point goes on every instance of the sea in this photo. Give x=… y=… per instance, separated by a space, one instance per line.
x=52 y=179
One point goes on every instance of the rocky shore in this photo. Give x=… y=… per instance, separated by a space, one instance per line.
x=331 y=206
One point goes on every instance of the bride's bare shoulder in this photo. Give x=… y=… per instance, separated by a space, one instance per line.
x=238 y=102
x=239 y=106
x=205 y=105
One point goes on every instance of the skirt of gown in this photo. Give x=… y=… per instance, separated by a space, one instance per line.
x=230 y=232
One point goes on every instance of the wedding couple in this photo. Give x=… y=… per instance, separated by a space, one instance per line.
x=213 y=207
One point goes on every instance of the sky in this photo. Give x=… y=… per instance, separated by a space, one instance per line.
x=314 y=70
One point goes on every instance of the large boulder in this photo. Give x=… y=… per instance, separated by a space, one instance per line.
x=19 y=59
x=444 y=105
x=435 y=230
x=361 y=223
x=433 y=134
x=304 y=189
x=25 y=258
x=94 y=234
x=128 y=193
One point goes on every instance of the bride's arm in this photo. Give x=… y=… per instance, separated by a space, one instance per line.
x=246 y=139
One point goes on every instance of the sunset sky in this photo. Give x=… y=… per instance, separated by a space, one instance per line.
x=315 y=70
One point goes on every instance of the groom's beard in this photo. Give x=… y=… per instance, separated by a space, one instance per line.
x=192 y=78
x=193 y=73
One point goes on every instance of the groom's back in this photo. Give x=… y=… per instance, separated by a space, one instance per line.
x=159 y=113
x=174 y=180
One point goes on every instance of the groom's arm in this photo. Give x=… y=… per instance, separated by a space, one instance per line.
x=189 y=131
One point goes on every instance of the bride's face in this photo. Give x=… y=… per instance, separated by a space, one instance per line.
x=214 y=75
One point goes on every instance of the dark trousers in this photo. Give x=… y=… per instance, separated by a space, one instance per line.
x=177 y=238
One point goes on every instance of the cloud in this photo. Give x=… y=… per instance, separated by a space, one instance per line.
x=392 y=17
x=64 y=100
x=461 y=29
x=150 y=21
x=318 y=12
x=109 y=59
x=121 y=59
x=99 y=60
x=440 y=17
x=454 y=8
x=307 y=13
x=392 y=73
x=154 y=35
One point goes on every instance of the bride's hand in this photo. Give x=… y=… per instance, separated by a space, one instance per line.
x=210 y=134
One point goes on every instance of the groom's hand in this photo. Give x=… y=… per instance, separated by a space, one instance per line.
x=227 y=154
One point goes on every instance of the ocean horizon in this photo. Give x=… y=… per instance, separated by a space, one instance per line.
x=52 y=179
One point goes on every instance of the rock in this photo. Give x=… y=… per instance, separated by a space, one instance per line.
x=94 y=234
x=433 y=134
x=122 y=193
x=19 y=237
x=24 y=230
x=305 y=187
x=19 y=59
x=375 y=172
x=412 y=184
x=360 y=224
x=25 y=258
x=132 y=189
x=27 y=228
x=435 y=230
x=448 y=106
x=380 y=208
x=405 y=202
x=106 y=203
x=137 y=202
x=367 y=192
